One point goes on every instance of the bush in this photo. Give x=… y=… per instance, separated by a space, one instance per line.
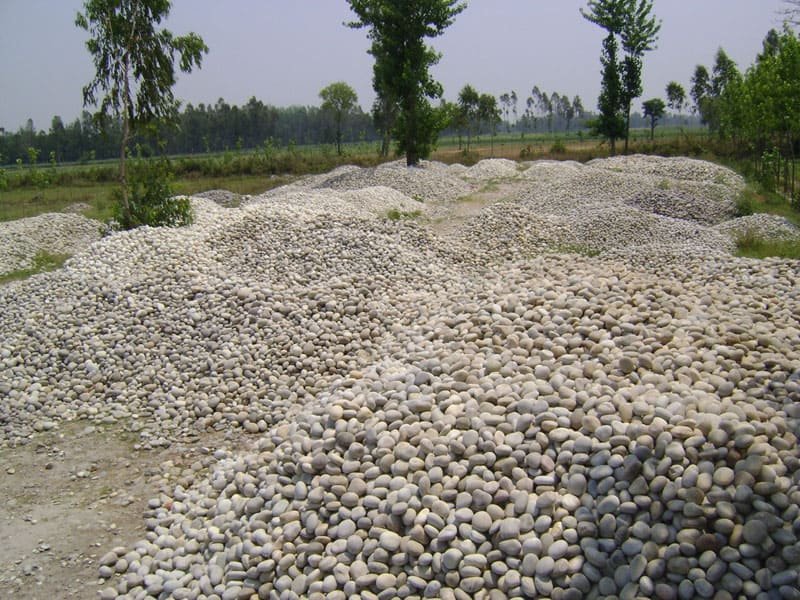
x=558 y=147
x=150 y=197
x=745 y=204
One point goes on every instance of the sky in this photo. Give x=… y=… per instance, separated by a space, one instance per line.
x=284 y=51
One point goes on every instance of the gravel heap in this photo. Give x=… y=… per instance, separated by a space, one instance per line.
x=605 y=208
x=222 y=197
x=760 y=225
x=55 y=233
x=430 y=181
x=679 y=205
x=429 y=419
x=493 y=168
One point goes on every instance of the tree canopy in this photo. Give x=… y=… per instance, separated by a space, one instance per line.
x=676 y=96
x=134 y=67
x=654 y=110
x=398 y=29
x=631 y=27
x=339 y=99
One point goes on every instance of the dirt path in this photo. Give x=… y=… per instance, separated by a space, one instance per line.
x=458 y=213
x=69 y=497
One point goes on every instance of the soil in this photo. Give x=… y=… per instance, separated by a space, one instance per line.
x=70 y=496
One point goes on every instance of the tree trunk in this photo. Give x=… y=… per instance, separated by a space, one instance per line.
x=613 y=141
x=126 y=134
x=652 y=130
x=627 y=126
x=339 y=136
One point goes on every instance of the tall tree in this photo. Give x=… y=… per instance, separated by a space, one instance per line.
x=134 y=68
x=384 y=117
x=610 y=16
x=489 y=113
x=639 y=35
x=610 y=123
x=398 y=29
x=654 y=110
x=505 y=101
x=468 y=110
x=700 y=90
x=631 y=26
x=676 y=96
x=339 y=99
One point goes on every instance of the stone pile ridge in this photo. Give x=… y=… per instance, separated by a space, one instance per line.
x=481 y=413
x=55 y=233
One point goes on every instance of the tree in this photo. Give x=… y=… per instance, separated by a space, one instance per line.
x=384 y=117
x=629 y=24
x=676 y=96
x=610 y=123
x=505 y=101
x=577 y=107
x=135 y=69
x=468 y=107
x=489 y=113
x=654 y=110
x=708 y=89
x=339 y=99
x=700 y=90
x=398 y=29
x=639 y=35
x=791 y=13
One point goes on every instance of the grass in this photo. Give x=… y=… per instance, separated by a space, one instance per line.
x=26 y=202
x=751 y=245
x=577 y=249
x=755 y=199
x=42 y=262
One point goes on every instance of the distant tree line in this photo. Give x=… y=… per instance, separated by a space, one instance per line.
x=203 y=128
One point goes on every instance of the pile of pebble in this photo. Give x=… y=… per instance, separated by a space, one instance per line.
x=760 y=225
x=430 y=182
x=222 y=197
x=55 y=233
x=433 y=417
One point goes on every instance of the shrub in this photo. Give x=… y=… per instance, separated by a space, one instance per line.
x=150 y=197
x=745 y=204
x=558 y=147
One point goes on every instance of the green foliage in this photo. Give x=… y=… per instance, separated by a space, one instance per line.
x=676 y=96
x=632 y=22
x=402 y=61
x=745 y=203
x=42 y=262
x=339 y=99
x=558 y=147
x=610 y=123
x=3 y=176
x=150 y=197
x=751 y=245
x=654 y=109
x=135 y=73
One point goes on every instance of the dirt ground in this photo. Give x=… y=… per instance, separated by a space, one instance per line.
x=70 y=496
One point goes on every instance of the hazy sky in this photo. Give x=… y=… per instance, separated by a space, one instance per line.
x=284 y=51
